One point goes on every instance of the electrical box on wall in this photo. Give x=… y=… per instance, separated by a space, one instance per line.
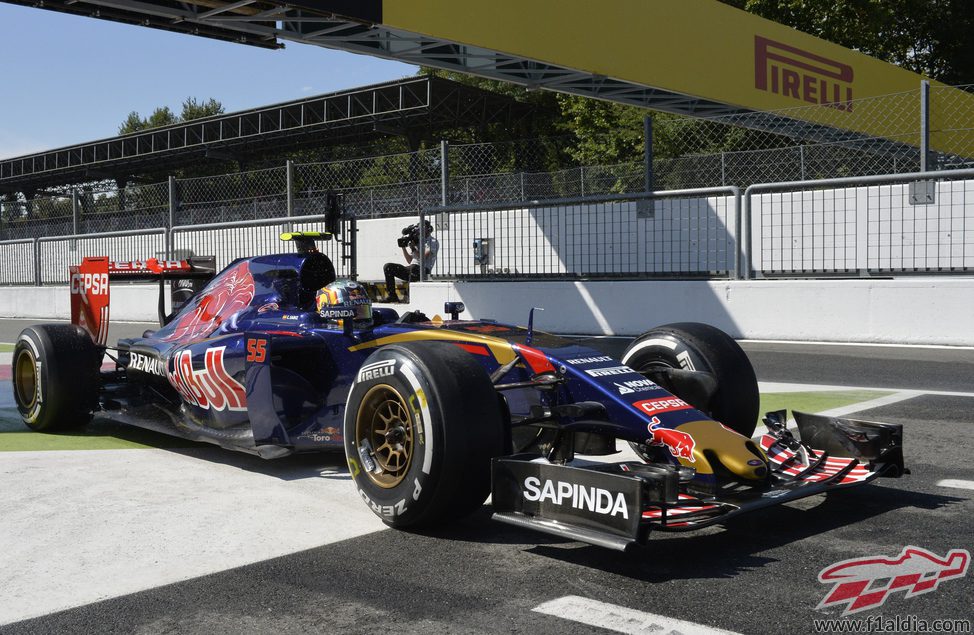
x=481 y=251
x=923 y=192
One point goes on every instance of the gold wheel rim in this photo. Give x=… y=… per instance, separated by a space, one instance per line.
x=385 y=424
x=25 y=373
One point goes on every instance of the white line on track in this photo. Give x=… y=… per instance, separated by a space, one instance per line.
x=842 y=411
x=943 y=347
x=955 y=483
x=774 y=386
x=939 y=347
x=620 y=619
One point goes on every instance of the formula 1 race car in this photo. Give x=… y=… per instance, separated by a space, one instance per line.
x=274 y=356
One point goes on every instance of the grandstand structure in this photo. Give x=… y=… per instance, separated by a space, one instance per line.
x=417 y=109
x=700 y=58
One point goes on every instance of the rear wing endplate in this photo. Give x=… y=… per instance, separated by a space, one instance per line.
x=90 y=295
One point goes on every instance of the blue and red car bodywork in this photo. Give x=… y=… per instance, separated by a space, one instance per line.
x=248 y=364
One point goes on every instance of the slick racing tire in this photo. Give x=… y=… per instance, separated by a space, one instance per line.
x=422 y=424
x=55 y=376
x=695 y=346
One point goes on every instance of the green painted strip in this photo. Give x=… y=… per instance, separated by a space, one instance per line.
x=6 y=348
x=816 y=401
x=98 y=435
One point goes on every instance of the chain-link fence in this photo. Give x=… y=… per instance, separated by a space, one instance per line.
x=952 y=125
x=231 y=197
x=39 y=216
x=110 y=209
x=391 y=185
x=872 y=136
x=878 y=135
x=96 y=208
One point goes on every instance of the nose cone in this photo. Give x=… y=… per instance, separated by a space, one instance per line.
x=713 y=443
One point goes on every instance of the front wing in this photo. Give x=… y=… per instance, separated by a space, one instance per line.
x=618 y=505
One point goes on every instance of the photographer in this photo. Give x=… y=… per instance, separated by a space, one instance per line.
x=409 y=242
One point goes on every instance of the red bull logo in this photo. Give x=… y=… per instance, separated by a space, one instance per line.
x=789 y=71
x=680 y=444
x=219 y=301
x=208 y=387
x=865 y=583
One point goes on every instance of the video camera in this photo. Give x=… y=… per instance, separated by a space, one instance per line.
x=410 y=234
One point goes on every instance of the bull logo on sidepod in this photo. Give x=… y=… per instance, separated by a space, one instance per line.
x=218 y=302
x=680 y=444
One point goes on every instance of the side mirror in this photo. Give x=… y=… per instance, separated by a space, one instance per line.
x=454 y=309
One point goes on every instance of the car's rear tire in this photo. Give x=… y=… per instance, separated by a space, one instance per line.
x=55 y=376
x=695 y=346
x=421 y=425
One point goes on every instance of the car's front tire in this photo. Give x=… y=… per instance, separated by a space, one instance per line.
x=55 y=376
x=422 y=423
x=696 y=346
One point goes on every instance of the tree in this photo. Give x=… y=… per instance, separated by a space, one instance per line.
x=193 y=109
x=132 y=123
x=607 y=132
x=546 y=120
x=164 y=116
x=161 y=117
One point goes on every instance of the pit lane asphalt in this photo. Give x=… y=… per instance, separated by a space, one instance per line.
x=756 y=575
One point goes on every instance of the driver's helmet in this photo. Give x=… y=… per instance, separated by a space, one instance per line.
x=344 y=299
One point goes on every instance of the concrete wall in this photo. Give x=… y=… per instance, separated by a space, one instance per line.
x=903 y=311
x=130 y=303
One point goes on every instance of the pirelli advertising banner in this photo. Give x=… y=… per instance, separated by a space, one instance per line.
x=701 y=48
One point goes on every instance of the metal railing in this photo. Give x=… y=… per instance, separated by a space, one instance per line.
x=229 y=241
x=40 y=261
x=19 y=266
x=688 y=233
x=921 y=222
x=54 y=254
x=896 y=224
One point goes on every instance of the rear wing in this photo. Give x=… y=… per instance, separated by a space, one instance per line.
x=90 y=282
x=151 y=270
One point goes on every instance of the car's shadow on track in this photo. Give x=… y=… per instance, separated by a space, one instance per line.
x=715 y=552
x=326 y=465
